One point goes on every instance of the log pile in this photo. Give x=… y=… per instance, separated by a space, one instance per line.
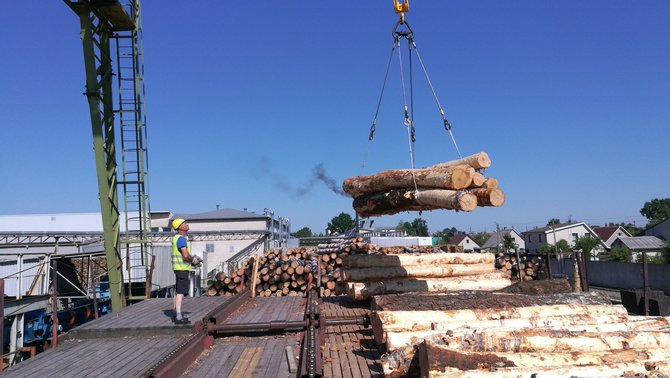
x=369 y=275
x=527 y=268
x=557 y=340
x=454 y=185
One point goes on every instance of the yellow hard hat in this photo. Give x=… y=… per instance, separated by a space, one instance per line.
x=177 y=222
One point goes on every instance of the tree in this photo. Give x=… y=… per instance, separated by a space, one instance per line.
x=446 y=234
x=666 y=253
x=480 y=237
x=341 y=223
x=508 y=243
x=563 y=246
x=587 y=244
x=418 y=227
x=545 y=249
x=553 y=221
x=621 y=254
x=304 y=232
x=656 y=210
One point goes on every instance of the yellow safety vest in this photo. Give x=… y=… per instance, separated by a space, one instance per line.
x=178 y=262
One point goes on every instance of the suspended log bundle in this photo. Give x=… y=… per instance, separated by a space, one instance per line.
x=455 y=185
x=552 y=340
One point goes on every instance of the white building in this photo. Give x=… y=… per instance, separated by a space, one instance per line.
x=495 y=241
x=465 y=241
x=570 y=232
x=638 y=244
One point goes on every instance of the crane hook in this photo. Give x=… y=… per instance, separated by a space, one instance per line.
x=401 y=6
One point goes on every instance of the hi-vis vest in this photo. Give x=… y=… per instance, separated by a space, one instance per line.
x=178 y=262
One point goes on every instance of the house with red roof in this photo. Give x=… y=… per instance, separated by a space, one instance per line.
x=465 y=241
x=609 y=234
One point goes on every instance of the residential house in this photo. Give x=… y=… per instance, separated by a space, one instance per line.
x=661 y=230
x=570 y=232
x=496 y=239
x=638 y=244
x=609 y=234
x=465 y=241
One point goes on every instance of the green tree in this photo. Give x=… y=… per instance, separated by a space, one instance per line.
x=656 y=210
x=553 y=221
x=587 y=244
x=563 y=246
x=341 y=223
x=304 y=232
x=665 y=253
x=418 y=227
x=620 y=254
x=480 y=237
x=446 y=234
x=508 y=243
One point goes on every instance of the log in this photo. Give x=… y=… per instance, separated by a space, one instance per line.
x=415 y=271
x=437 y=360
x=212 y=291
x=433 y=259
x=479 y=160
x=487 y=282
x=478 y=180
x=439 y=178
x=490 y=183
x=396 y=201
x=488 y=197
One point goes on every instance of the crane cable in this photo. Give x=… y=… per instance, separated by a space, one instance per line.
x=408 y=114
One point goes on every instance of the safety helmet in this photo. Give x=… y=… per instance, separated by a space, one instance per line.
x=177 y=222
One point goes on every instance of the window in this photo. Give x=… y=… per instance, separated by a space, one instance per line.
x=539 y=238
x=575 y=237
x=209 y=247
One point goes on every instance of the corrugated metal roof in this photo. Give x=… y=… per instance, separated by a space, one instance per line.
x=62 y=222
x=221 y=214
x=495 y=238
x=642 y=242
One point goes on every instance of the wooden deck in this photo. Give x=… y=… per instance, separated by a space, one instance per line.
x=111 y=357
x=242 y=357
x=349 y=351
x=267 y=309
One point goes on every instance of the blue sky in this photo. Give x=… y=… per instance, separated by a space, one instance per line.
x=570 y=99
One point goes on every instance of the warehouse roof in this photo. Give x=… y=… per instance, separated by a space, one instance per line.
x=221 y=214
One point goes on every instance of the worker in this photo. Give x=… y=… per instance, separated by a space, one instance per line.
x=181 y=265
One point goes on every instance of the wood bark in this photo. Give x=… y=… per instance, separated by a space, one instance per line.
x=396 y=201
x=433 y=259
x=488 y=197
x=488 y=282
x=416 y=271
x=439 y=178
x=479 y=160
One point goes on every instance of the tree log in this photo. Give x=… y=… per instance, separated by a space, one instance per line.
x=438 y=178
x=479 y=160
x=416 y=271
x=432 y=259
x=487 y=282
x=478 y=180
x=488 y=197
x=396 y=201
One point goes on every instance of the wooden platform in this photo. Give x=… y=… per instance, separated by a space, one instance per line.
x=267 y=309
x=349 y=351
x=243 y=357
x=150 y=317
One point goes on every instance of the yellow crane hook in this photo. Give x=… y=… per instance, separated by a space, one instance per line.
x=401 y=6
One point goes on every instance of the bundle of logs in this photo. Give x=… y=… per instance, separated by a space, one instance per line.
x=369 y=275
x=563 y=340
x=527 y=268
x=454 y=185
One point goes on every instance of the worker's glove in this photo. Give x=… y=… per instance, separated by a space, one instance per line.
x=197 y=261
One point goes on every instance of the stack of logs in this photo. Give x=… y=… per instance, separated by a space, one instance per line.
x=369 y=275
x=454 y=185
x=527 y=268
x=558 y=340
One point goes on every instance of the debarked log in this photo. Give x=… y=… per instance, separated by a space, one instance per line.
x=532 y=340
x=433 y=259
x=487 y=282
x=416 y=271
x=439 y=361
x=479 y=160
x=427 y=320
x=439 y=178
x=396 y=201
x=433 y=356
x=488 y=197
